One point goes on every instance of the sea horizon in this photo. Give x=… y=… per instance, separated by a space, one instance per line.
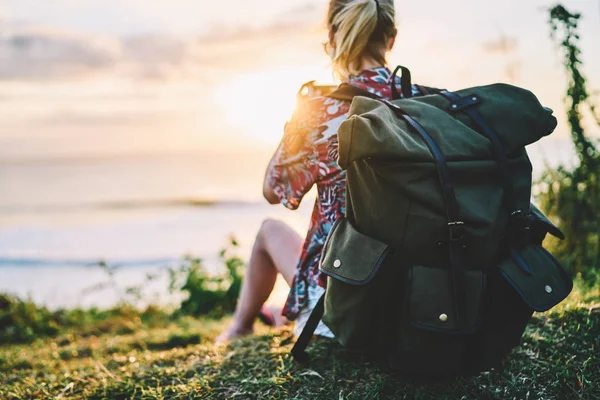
x=60 y=218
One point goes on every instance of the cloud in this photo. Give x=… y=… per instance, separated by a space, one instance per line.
x=36 y=53
x=82 y=120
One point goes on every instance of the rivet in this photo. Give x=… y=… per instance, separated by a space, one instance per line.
x=474 y=98
x=337 y=264
x=454 y=106
x=443 y=317
x=548 y=289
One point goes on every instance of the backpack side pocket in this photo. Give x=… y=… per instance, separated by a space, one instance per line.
x=537 y=276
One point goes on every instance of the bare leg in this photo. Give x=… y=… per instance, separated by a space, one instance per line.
x=276 y=250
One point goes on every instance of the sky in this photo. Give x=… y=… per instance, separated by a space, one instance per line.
x=84 y=78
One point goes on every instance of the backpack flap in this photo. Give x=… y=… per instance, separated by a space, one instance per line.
x=351 y=256
x=537 y=277
x=430 y=300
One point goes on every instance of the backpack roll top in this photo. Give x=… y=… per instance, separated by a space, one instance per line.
x=514 y=113
x=373 y=130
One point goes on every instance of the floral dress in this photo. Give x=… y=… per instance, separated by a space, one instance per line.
x=307 y=156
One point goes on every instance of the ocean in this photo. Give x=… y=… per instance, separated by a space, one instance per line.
x=138 y=214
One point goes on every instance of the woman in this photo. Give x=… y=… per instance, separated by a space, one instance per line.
x=361 y=33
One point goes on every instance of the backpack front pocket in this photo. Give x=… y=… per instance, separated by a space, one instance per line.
x=350 y=256
x=430 y=300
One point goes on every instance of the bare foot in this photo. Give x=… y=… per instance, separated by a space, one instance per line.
x=271 y=316
x=233 y=333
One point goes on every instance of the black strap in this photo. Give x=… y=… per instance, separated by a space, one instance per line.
x=299 y=350
x=405 y=83
x=497 y=146
x=466 y=105
x=427 y=90
x=348 y=92
x=455 y=225
x=452 y=207
x=518 y=259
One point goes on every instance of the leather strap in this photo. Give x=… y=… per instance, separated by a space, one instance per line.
x=455 y=225
x=518 y=259
x=405 y=83
x=452 y=207
x=497 y=146
x=347 y=92
x=299 y=350
x=427 y=90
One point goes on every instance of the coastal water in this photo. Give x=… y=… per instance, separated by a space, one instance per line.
x=59 y=218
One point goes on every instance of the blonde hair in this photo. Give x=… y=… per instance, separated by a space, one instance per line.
x=361 y=29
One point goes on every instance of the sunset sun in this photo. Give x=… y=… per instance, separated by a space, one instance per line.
x=259 y=103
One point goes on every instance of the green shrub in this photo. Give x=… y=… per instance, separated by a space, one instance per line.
x=210 y=294
x=571 y=196
x=22 y=321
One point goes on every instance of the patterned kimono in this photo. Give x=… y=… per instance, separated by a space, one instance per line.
x=306 y=156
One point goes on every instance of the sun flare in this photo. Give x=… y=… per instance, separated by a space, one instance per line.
x=258 y=104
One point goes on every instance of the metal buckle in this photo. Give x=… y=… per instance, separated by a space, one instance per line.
x=455 y=223
x=519 y=228
x=456 y=230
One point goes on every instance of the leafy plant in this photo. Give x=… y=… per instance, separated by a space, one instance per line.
x=571 y=196
x=211 y=294
x=22 y=321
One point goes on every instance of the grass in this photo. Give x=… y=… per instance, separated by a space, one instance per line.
x=174 y=358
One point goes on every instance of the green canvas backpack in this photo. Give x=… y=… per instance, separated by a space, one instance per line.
x=438 y=264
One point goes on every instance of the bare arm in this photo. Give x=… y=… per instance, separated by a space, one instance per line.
x=293 y=169
x=268 y=191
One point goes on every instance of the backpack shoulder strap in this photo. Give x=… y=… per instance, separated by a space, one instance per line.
x=347 y=92
x=465 y=105
x=299 y=350
x=427 y=90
